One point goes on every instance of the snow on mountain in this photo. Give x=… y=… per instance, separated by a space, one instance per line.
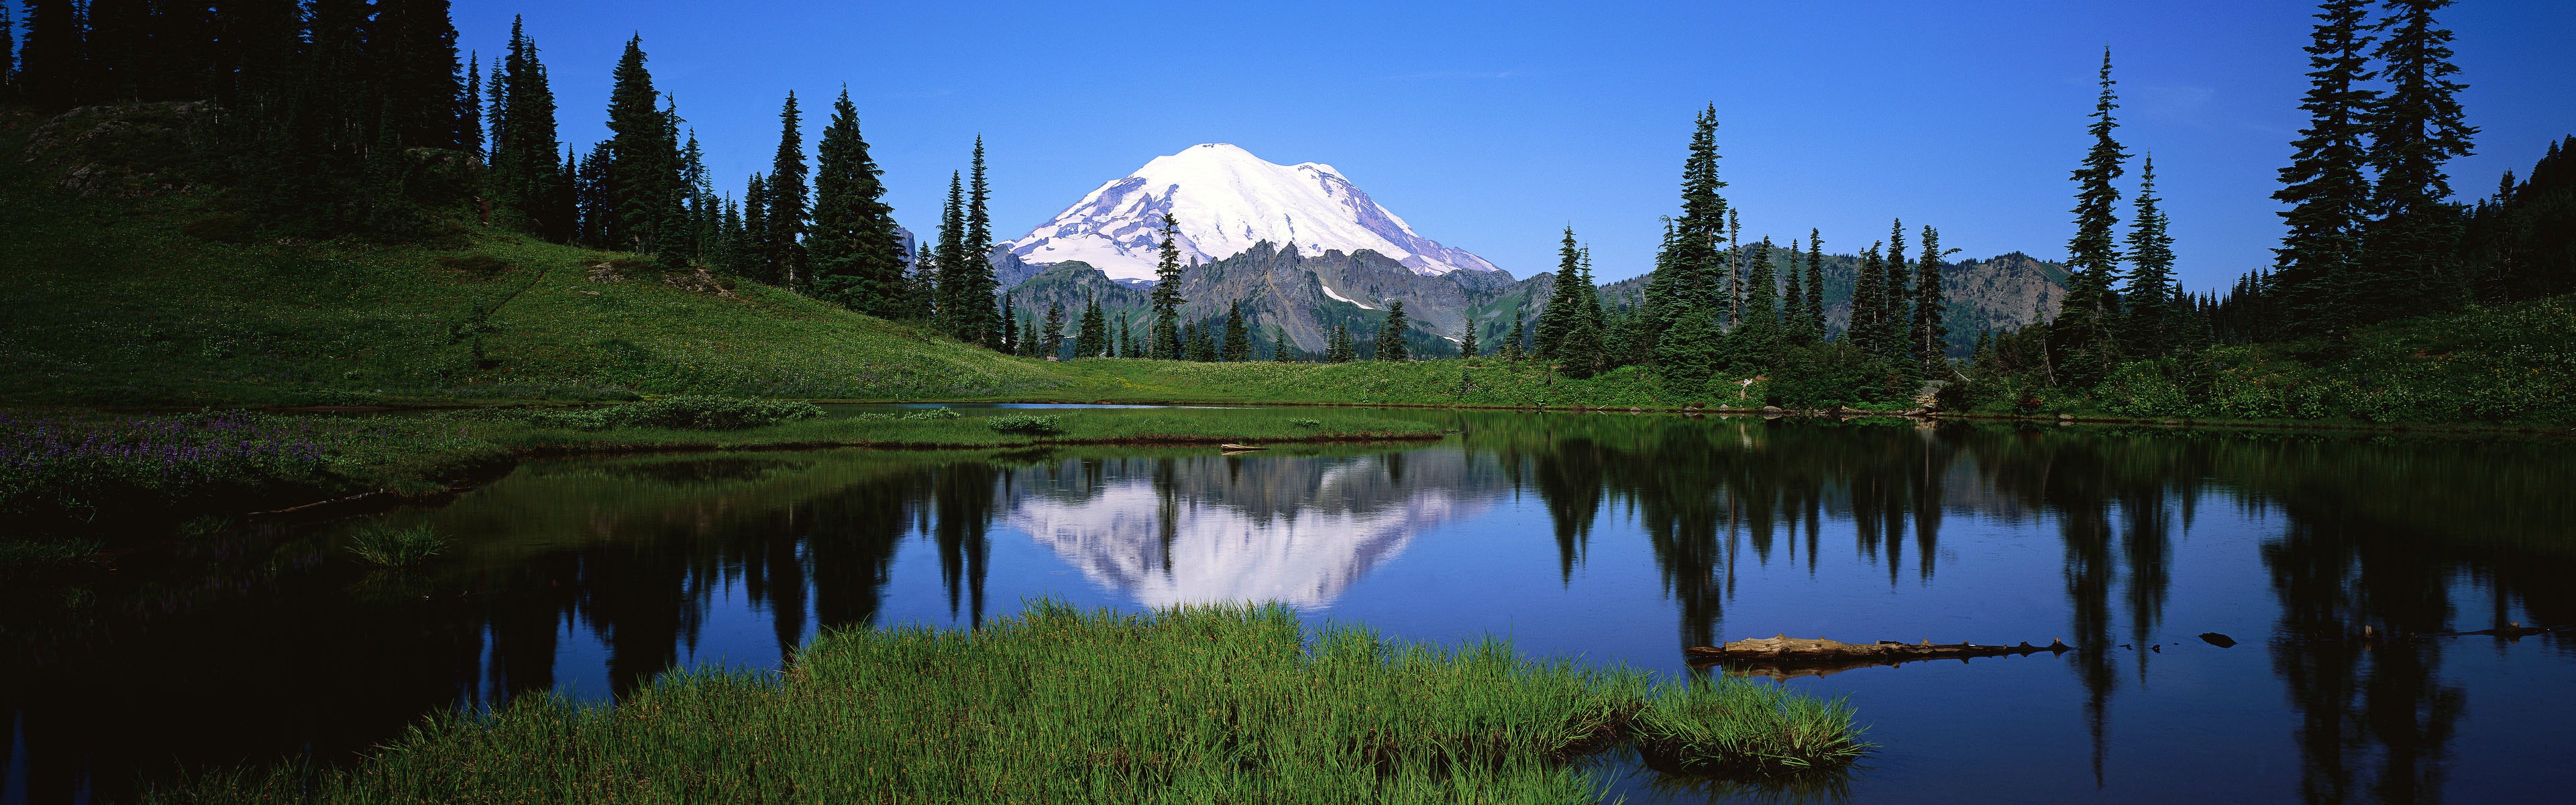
x=1224 y=200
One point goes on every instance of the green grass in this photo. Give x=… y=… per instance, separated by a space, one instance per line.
x=1205 y=704
x=387 y=546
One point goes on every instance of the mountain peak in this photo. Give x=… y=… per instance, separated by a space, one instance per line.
x=1224 y=200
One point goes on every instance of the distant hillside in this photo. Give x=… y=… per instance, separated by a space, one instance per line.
x=1307 y=296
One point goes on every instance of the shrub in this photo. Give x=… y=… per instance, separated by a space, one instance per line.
x=386 y=546
x=1024 y=423
x=683 y=413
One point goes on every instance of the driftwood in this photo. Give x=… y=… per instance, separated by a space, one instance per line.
x=1785 y=656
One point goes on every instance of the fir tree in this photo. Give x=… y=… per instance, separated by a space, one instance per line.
x=1167 y=296
x=1691 y=268
x=1815 y=285
x=8 y=54
x=2149 y=318
x=1756 y=338
x=1558 y=316
x=1238 y=340
x=2408 y=250
x=1467 y=337
x=1029 y=343
x=1513 y=349
x=1091 y=336
x=1051 y=335
x=1793 y=302
x=411 y=45
x=472 y=122
x=1010 y=341
x=2325 y=185
x=1868 y=303
x=1126 y=338
x=525 y=175
x=1895 y=293
x=752 y=260
x=1929 y=339
x=1202 y=340
x=979 y=222
x=1390 y=334
x=854 y=249
x=2084 y=333
x=959 y=310
x=114 y=48
x=49 y=65
x=642 y=173
x=787 y=216
x=1282 y=350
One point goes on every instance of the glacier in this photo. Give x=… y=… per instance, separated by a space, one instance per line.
x=1223 y=199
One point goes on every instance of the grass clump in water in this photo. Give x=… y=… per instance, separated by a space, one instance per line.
x=1746 y=730
x=1025 y=423
x=1198 y=704
x=386 y=546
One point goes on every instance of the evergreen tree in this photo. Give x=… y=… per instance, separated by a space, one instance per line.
x=1691 y=269
x=1756 y=338
x=1238 y=340
x=2149 y=319
x=1561 y=310
x=1281 y=349
x=1167 y=296
x=1390 y=334
x=787 y=216
x=979 y=222
x=8 y=54
x=1895 y=293
x=1091 y=336
x=1126 y=338
x=1202 y=340
x=642 y=174
x=593 y=201
x=1051 y=335
x=1513 y=349
x=1467 y=337
x=114 y=47
x=411 y=47
x=1929 y=339
x=1815 y=285
x=1793 y=302
x=959 y=310
x=752 y=258
x=525 y=176
x=2084 y=333
x=1868 y=303
x=2328 y=193
x=856 y=255
x=472 y=123
x=49 y=65
x=2409 y=254
x=1029 y=343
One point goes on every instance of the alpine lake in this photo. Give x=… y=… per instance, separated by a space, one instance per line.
x=2253 y=615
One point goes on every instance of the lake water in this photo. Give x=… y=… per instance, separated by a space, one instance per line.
x=1620 y=538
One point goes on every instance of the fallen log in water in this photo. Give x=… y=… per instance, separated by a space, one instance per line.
x=1785 y=656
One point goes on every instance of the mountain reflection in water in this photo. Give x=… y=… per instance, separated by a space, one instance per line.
x=1620 y=538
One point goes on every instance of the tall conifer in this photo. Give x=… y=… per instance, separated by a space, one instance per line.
x=2319 y=259
x=959 y=311
x=2150 y=318
x=1167 y=296
x=1793 y=301
x=1091 y=336
x=1756 y=338
x=1928 y=340
x=1868 y=300
x=854 y=250
x=1390 y=333
x=1467 y=337
x=1238 y=338
x=2085 y=333
x=2410 y=250
x=49 y=65
x=642 y=174
x=1816 y=284
x=1051 y=334
x=788 y=214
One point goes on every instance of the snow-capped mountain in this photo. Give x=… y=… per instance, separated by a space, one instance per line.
x=1224 y=200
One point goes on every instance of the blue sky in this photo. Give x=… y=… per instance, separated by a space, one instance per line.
x=1491 y=126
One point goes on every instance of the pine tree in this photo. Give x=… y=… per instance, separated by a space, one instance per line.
x=1390 y=334
x=959 y=311
x=594 y=203
x=1282 y=350
x=1091 y=336
x=1756 y=339
x=1558 y=316
x=1929 y=338
x=979 y=222
x=2149 y=320
x=1126 y=338
x=1052 y=333
x=50 y=66
x=472 y=122
x=525 y=175
x=114 y=48
x=1868 y=303
x=642 y=172
x=411 y=45
x=1467 y=337
x=1203 y=347
x=856 y=256
x=1513 y=342
x=1029 y=343
x=2087 y=342
x=752 y=253
x=1167 y=296
x=2409 y=258
x=1897 y=295
x=1793 y=302
x=1691 y=269
x=8 y=54
x=787 y=216
x=1815 y=285
x=1238 y=339
x=2328 y=193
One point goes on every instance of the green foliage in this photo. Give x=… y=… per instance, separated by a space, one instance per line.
x=1307 y=423
x=24 y=553
x=388 y=546
x=1746 y=729
x=1025 y=423
x=1218 y=703
x=690 y=412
